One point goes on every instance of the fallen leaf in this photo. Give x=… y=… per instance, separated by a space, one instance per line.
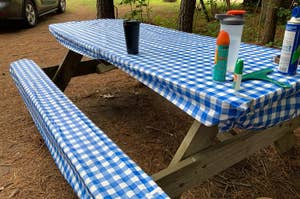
x=108 y=96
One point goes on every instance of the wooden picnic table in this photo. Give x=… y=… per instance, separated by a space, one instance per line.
x=178 y=66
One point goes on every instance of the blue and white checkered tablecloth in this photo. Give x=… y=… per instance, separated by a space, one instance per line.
x=93 y=165
x=179 y=65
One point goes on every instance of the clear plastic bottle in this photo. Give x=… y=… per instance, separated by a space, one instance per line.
x=233 y=23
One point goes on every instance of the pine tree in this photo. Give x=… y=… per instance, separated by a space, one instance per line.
x=270 y=22
x=105 y=9
x=186 y=15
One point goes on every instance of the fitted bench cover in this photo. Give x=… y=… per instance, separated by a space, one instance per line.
x=93 y=164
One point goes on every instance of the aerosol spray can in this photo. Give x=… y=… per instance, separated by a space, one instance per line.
x=219 y=71
x=290 y=52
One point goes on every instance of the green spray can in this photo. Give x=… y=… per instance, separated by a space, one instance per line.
x=223 y=41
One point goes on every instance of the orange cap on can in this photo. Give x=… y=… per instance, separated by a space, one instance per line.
x=236 y=12
x=223 y=39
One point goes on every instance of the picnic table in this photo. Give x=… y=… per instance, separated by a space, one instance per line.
x=178 y=66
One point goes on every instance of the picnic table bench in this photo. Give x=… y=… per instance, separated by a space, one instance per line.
x=177 y=66
x=93 y=164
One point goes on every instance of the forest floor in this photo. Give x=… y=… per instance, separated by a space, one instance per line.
x=141 y=122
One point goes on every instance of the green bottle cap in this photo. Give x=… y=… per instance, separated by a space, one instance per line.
x=239 y=66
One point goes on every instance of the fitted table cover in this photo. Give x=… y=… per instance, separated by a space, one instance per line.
x=179 y=66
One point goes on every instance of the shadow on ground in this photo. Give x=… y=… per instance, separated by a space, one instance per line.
x=11 y=26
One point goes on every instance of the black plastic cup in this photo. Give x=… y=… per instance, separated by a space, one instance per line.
x=132 y=32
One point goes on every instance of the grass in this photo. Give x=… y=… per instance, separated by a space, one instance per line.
x=89 y=3
x=73 y=5
x=166 y=14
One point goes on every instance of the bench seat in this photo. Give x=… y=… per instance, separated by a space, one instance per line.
x=92 y=163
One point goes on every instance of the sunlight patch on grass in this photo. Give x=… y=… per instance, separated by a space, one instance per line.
x=76 y=4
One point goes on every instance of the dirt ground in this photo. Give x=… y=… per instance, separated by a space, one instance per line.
x=142 y=123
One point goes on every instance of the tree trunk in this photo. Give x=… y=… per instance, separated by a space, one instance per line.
x=251 y=2
x=204 y=10
x=264 y=7
x=270 y=22
x=288 y=4
x=227 y=4
x=105 y=9
x=186 y=15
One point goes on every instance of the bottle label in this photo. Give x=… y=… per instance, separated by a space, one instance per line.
x=237 y=79
x=286 y=51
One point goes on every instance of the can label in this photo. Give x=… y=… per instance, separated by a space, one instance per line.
x=219 y=73
x=290 y=51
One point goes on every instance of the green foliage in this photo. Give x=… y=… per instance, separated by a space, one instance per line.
x=283 y=15
x=139 y=9
x=165 y=22
x=217 y=6
x=213 y=28
x=166 y=14
x=213 y=7
x=270 y=44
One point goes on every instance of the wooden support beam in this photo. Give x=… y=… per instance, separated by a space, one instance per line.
x=198 y=138
x=72 y=67
x=83 y=68
x=284 y=144
x=65 y=70
x=200 y=166
x=287 y=142
x=104 y=67
x=225 y=136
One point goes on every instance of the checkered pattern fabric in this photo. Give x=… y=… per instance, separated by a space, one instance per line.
x=179 y=66
x=93 y=165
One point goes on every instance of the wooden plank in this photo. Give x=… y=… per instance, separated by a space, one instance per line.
x=225 y=136
x=198 y=138
x=285 y=143
x=83 y=68
x=186 y=142
x=50 y=71
x=65 y=70
x=104 y=67
x=205 y=164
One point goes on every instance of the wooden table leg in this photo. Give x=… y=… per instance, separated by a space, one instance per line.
x=288 y=141
x=192 y=166
x=65 y=70
x=198 y=138
x=285 y=143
